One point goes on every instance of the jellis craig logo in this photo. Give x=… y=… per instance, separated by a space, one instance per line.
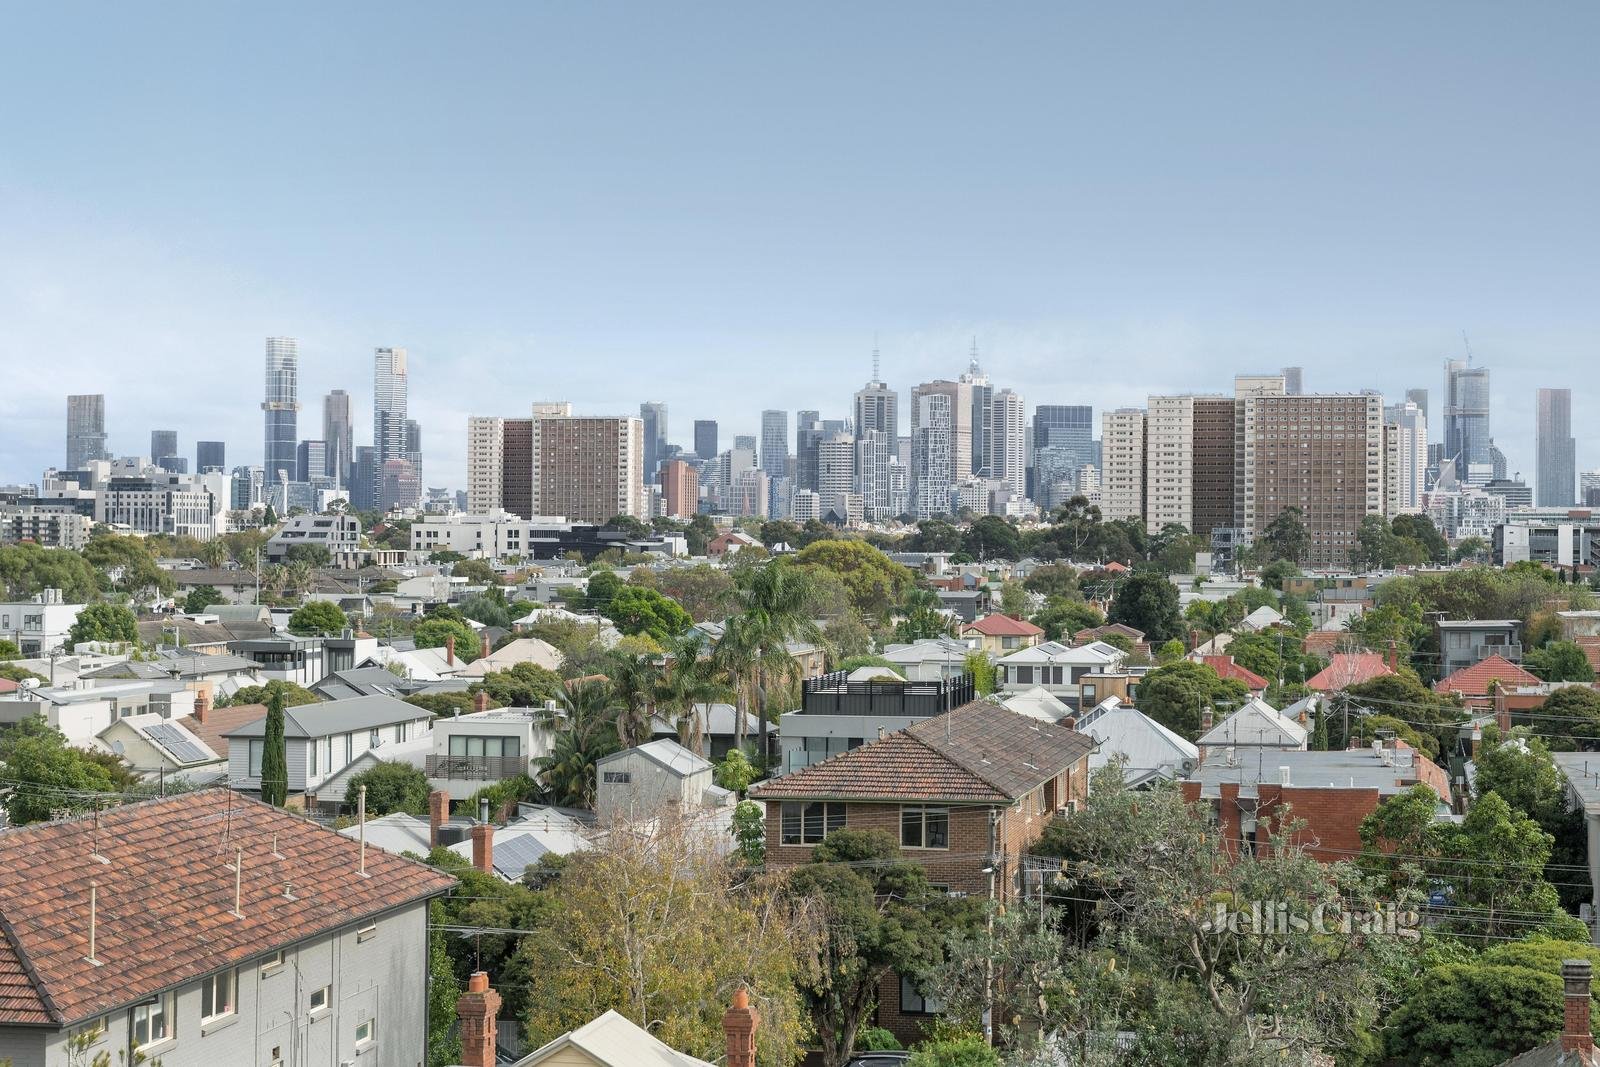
x=1279 y=918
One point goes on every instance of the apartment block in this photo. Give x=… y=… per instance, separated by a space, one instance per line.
x=1169 y=458
x=1122 y=467
x=580 y=467
x=680 y=489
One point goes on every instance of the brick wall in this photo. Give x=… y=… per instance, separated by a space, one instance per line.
x=1331 y=817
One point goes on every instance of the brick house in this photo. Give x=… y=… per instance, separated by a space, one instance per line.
x=1000 y=635
x=965 y=793
x=1248 y=793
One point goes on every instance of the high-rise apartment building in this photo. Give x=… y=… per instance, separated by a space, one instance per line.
x=680 y=489
x=874 y=483
x=86 y=430
x=311 y=460
x=1168 y=462
x=960 y=394
x=555 y=463
x=774 y=455
x=654 y=416
x=163 y=445
x=364 y=479
x=1557 y=473
x=836 y=470
x=1405 y=451
x=281 y=407
x=1293 y=381
x=390 y=391
x=982 y=418
x=1063 y=443
x=413 y=452
x=705 y=439
x=486 y=465
x=1122 y=472
x=877 y=407
x=1007 y=436
x=932 y=441
x=1214 y=442
x=336 y=433
x=1466 y=416
x=1419 y=397
x=210 y=456
x=1322 y=454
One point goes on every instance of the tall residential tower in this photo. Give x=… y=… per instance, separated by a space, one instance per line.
x=281 y=406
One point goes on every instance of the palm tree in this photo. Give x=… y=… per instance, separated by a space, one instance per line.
x=635 y=680
x=585 y=726
x=774 y=610
x=689 y=680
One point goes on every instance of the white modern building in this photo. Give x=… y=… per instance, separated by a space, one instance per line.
x=338 y=533
x=1122 y=434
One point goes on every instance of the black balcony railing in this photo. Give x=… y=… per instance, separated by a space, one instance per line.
x=476 y=768
x=835 y=694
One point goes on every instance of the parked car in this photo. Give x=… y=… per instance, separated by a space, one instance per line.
x=879 y=1059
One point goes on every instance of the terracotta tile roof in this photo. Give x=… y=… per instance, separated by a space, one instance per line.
x=998 y=625
x=980 y=752
x=1226 y=668
x=7 y=685
x=220 y=721
x=166 y=897
x=1345 y=669
x=1474 y=681
x=1323 y=642
x=1591 y=649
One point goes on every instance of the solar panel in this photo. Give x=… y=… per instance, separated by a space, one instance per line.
x=516 y=854
x=176 y=742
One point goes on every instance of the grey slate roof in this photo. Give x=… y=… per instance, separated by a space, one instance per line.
x=337 y=717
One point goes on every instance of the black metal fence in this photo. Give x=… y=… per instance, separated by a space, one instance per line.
x=836 y=694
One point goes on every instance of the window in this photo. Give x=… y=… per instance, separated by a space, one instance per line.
x=366 y=933
x=90 y=1032
x=256 y=748
x=924 y=827
x=319 y=998
x=619 y=777
x=912 y=1002
x=373 y=740
x=364 y=1032
x=311 y=758
x=807 y=823
x=216 y=996
x=474 y=745
x=274 y=963
x=152 y=1023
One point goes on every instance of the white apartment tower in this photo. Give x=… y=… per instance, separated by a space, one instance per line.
x=1405 y=447
x=1169 y=463
x=1122 y=435
x=932 y=441
x=1008 y=439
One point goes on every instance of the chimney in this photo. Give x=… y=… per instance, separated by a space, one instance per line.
x=438 y=814
x=1502 y=713
x=450 y=649
x=1576 y=1036
x=1070 y=722
x=1206 y=719
x=202 y=702
x=480 y=702
x=739 y=1024
x=483 y=647
x=1305 y=718
x=1393 y=659
x=483 y=847
x=478 y=1008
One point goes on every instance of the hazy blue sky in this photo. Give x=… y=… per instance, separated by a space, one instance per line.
x=720 y=205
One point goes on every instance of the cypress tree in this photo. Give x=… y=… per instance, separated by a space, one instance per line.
x=274 y=754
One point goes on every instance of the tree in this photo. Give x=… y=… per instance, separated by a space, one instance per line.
x=1519 y=769
x=1475 y=1015
x=312 y=555
x=449 y=703
x=444 y=1044
x=391 y=787
x=699 y=531
x=127 y=565
x=1175 y=694
x=27 y=570
x=702 y=590
x=968 y=1051
x=585 y=732
x=202 y=597
x=1062 y=618
x=772 y=600
x=846 y=636
x=878 y=914
x=1559 y=661
x=108 y=623
x=318 y=618
x=873 y=582
x=1569 y=719
x=650 y=924
x=978 y=664
x=992 y=537
x=736 y=772
x=1148 y=601
x=293 y=695
x=476 y=572
x=48 y=775
x=522 y=685
x=635 y=681
x=432 y=632
x=1052 y=580
x=636 y=610
x=9 y=650
x=633 y=528
x=1285 y=537
x=274 y=753
x=924 y=617
x=1013 y=599
x=750 y=832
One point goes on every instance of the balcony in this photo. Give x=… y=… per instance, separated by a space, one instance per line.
x=476 y=768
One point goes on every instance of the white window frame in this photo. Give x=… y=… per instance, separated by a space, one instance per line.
x=921 y=812
x=210 y=985
x=371 y=1027
x=275 y=962
x=326 y=996
x=162 y=1011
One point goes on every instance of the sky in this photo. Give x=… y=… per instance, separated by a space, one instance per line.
x=723 y=206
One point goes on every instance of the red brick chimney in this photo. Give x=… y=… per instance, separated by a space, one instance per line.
x=1206 y=719
x=1502 y=713
x=483 y=847
x=480 y=702
x=739 y=1024
x=1575 y=1033
x=1392 y=660
x=1070 y=722
x=438 y=814
x=202 y=702
x=478 y=1009
x=483 y=647
x=450 y=649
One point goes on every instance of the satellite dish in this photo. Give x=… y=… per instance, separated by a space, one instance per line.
x=29 y=683
x=116 y=746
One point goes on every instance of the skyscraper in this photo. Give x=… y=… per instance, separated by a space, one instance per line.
x=874 y=452
x=1122 y=475
x=1063 y=443
x=281 y=407
x=1419 y=397
x=932 y=442
x=389 y=398
x=654 y=415
x=1466 y=416
x=877 y=408
x=960 y=394
x=1293 y=381
x=1557 y=473
x=982 y=412
x=311 y=460
x=363 y=479
x=337 y=436
x=413 y=452
x=1405 y=450
x=1007 y=439
x=163 y=444
x=86 y=429
x=210 y=456
x=705 y=439
x=774 y=455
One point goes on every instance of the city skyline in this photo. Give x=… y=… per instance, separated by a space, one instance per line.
x=1111 y=210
